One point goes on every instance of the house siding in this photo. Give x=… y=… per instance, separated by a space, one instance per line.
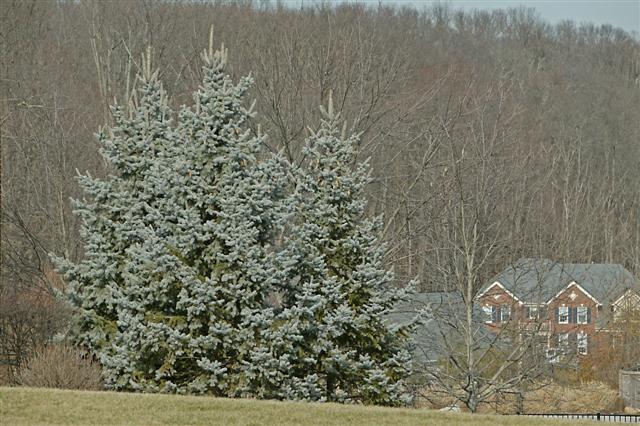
x=583 y=284
x=579 y=299
x=571 y=297
x=497 y=297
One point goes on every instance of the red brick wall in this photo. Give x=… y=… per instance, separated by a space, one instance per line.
x=565 y=299
x=497 y=296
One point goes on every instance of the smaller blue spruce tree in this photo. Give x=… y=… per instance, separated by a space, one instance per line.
x=116 y=215
x=330 y=340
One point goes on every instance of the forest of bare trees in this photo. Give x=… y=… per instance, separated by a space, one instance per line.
x=492 y=135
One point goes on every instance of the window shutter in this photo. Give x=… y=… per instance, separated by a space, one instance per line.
x=588 y=315
x=570 y=312
x=527 y=312
x=575 y=315
x=498 y=314
x=557 y=315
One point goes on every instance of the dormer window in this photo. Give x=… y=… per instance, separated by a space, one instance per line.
x=563 y=315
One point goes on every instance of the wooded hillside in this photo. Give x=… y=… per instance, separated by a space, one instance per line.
x=492 y=134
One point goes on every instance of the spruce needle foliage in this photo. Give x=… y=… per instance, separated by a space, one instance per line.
x=186 y=247
x=178 y=255
x=330 y=340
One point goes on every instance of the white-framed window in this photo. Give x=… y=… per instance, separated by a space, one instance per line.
x=563 y=341
x=505 y=313
x=488 y=313
x=553 y=355
x=563 y=315
x=532 y=312
x=581 y=315
x=583 y=343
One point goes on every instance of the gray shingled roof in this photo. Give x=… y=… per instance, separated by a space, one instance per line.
x=439 y=308
x=427 y=333
x=531 y=280
x=538 y=280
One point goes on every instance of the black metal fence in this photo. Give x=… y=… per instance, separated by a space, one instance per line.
x=611 y=418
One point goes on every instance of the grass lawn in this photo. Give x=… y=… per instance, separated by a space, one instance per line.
x=48 y=406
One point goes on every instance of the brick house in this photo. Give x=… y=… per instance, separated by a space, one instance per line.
x=570 y=306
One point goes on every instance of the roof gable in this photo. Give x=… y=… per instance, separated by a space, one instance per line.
x=630 y=298
x=574 y=284
x=540 y=280
x=501 y=287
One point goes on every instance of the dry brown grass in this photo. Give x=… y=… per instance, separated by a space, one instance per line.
x=19 y=406
x=591 y=397
x=61 y=367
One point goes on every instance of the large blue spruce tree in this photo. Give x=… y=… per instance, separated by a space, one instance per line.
x=171 y=292
x=212 y=267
